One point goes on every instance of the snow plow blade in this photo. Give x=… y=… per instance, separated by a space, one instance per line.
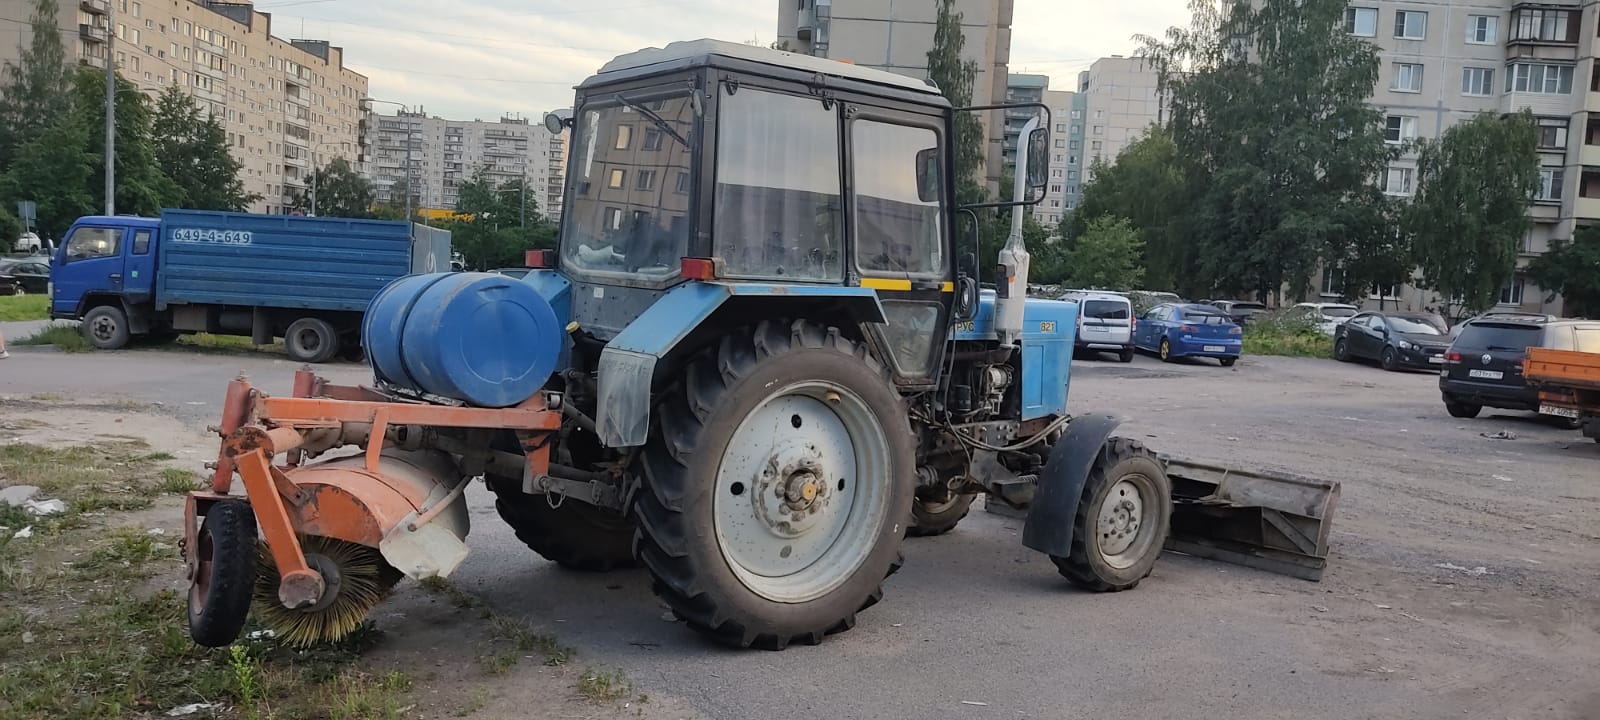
x=1273 y=522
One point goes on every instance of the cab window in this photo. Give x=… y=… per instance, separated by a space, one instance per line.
x=777 y=208
x=897 y=232
x=93 y=242
x=141 y=242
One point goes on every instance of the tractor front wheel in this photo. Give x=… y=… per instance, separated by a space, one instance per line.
x=1122 y=519
x=777 y=482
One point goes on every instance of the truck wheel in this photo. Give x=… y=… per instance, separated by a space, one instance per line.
x=574 y=535
x=311 y=340
x=106 y=327
x=225 y=574
x=1122 y=519
x=934 y=517
x=776 y=486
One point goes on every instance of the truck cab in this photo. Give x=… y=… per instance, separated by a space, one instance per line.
x=105 y=262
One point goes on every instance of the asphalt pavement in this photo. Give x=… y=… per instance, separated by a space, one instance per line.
x=976 y=626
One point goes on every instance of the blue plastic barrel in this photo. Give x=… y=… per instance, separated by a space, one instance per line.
x=481 y=338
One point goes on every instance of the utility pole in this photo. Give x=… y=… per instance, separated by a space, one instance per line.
x=111 y=108
x=522 y=215
x=409 y=151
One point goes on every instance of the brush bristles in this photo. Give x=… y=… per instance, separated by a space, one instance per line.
x=365 y=580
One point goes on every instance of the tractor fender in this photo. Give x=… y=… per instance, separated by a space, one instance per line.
x=631 y=361
x=1055 y=503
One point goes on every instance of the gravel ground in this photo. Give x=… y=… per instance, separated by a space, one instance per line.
x=1462 y=582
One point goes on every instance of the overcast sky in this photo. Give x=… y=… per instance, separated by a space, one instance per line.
x=466 y=59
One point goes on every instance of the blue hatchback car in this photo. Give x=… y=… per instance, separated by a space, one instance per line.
x=1177 y=330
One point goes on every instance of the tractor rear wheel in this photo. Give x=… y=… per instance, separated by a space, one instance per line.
x=777 y=482
x=931 y=517
x=1122 y=519
x=573 y=534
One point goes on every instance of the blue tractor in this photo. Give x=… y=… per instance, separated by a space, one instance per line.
x=767 y=352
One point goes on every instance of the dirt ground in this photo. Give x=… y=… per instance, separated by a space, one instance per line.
x=1463 y=580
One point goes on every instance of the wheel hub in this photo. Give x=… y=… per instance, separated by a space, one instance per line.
x=1120 y=517
x=794 y=509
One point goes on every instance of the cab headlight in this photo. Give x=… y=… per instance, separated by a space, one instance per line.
x=1406 y=345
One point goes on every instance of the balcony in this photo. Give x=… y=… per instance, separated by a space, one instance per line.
x=1589 y=155
x=95 y=7
x=1586 y=208
x=91 y=33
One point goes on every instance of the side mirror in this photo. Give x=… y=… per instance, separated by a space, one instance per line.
x=928 y=175
x=1038 y=158
x=966 y=300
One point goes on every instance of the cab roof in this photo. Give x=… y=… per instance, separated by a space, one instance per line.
x=689 y=53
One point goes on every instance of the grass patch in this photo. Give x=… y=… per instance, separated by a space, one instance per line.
x=17 y=308
x=520 y=634
x=85 y=642
x=177 y=481
x=65 y=337
x=604 y=685
x=1285 y=333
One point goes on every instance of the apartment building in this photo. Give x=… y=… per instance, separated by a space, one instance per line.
x=1445 y=61
x=896 y=36
x=443 y=153
x=288 y=106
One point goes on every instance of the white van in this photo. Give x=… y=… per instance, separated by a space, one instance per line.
x=1105 y=322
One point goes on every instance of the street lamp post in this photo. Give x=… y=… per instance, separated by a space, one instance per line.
x=111 y=109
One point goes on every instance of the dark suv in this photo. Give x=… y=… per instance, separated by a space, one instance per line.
x=1483 y=367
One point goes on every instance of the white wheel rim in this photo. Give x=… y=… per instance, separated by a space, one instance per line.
x=1125 y=521
x=797 y=510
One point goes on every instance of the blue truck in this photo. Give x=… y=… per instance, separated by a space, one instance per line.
x=306 y=280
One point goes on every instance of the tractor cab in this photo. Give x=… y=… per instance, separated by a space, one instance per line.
x=708 y=161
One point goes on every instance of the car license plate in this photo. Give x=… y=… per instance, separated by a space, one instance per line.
x=1437 y=359
x=1215 y=348
x=1486 y=374
x=1558 y=411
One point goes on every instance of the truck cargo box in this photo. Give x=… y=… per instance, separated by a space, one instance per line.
x=324 y=263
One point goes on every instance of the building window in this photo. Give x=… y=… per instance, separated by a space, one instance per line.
x=1482 y=29
x=1077 y=129
x=1398 y=181
x=1055 y=189
x=1060 y=143
x=614 y=218
x=1550 y=181
x=1407 y=78
x=1511 y=292
x=624 y=136
x=1077 y=114
x=1399 y=128
x=1072 y=145
x=1362 y=22
x=1552 y=134
x=645 y=180
x=1099 y=129
x=1410 y=24
x=1072 y=174
x=1477 y=81
x=1095 y=146
x=1540 y=78
x=617 y=178
x=1055 y=172
x=683 y=183
x=1333 y=281
x=1543 y=25
x=1061 y=127
x=652 y=139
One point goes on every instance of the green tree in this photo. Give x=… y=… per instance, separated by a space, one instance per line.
x=36 y=89
x=141 y=187
x=10 y=227
x=1573 y=270
x=955 y=78
x=54 y=170
x=192 y=150
x=341 y=192
x=1107 y=256
x=503 y=222
x=1147 y=186
x=1269 y=115
x=1471 y=209
x=1368 y=246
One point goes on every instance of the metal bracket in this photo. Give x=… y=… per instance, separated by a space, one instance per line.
x=557 y=490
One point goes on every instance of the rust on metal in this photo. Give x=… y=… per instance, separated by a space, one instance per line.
x=235 y=411
x=525 y=417
x=276 y=528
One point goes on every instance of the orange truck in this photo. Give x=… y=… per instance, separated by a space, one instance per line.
x=1568 y=384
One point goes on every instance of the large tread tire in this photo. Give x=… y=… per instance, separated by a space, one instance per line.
x=677 y=537
x=575 y=535
x=311 y=340
x=1086 y=567
x=934 y=518
x=219 y=597
x=106 y=327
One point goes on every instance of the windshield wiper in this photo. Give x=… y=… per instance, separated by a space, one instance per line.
x=654 y=119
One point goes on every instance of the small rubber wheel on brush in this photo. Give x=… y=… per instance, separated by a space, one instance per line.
x=225 y=574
